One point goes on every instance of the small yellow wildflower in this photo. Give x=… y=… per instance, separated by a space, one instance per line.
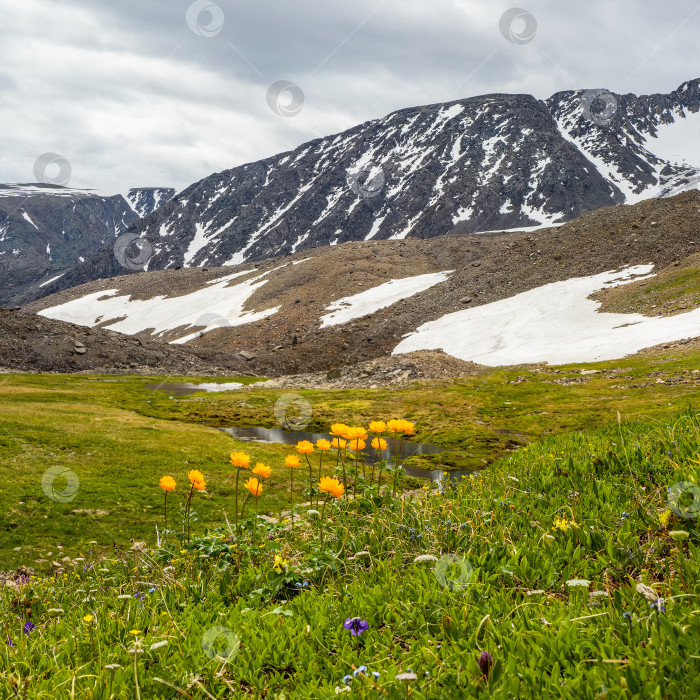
x=280 y=564
x=561 y=524
x=665 y=518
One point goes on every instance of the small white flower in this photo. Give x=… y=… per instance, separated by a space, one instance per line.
x=599 y=594
x=124 y=596
x=578 y=582
x=425 y=557
x=648 y=593
x=158 y=645
x=538 y=592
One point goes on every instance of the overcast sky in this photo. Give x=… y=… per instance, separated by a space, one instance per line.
x=143 y=92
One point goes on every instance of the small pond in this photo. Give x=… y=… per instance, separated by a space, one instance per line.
x=185 y=389
x=408 y=449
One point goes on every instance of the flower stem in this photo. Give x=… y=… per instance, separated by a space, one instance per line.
x=187 y=512
x=238 y=471
x=244 y=504
x=323 y=510
x=311 y=481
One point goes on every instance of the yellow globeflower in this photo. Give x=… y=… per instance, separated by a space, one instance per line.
x=254 y=486
x=356 y=445
x=167 y=483
x=197 y=479
x=331 y=486
x=292 y=461
x=408 y=427
x=323 y=445
x=305 y=447
x=356 y=433
x=339 y=443
x=377 y=427
x=379 y=444
x=240 y=459
x=395 y=426
x=262 y=470
x=338 y=429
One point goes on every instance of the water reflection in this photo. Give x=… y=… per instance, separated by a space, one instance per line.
x=407 y=449
x=187 y=388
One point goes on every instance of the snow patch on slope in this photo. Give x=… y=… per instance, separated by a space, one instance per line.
x=679 y=141
x=372 y=300
x=557 y=323
x=162 y=314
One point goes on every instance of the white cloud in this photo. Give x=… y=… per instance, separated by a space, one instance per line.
x=132 y=97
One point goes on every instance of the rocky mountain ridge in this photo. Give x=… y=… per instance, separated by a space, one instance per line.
x=46 y=230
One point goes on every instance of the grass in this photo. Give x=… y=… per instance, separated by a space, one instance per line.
x=536 y=561
x=119 y=438
x=675 y=289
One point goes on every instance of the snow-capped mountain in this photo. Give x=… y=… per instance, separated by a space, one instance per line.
x=46 y=225
x=47 y=229
x=145 y=200
x=479 y=164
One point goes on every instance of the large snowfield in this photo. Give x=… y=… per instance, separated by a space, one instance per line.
x=556 y=323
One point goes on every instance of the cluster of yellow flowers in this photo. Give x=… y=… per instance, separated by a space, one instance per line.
x=253 y=484
x=343 y=437
x=563 y=524
x=197 y=481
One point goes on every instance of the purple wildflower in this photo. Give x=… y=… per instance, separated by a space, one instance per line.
x=356 y=626
x=29 y=627
x=485 y=663
x=658 y=605
x=9 y=641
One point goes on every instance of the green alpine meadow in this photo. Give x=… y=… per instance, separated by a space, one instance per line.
x=146 y=564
